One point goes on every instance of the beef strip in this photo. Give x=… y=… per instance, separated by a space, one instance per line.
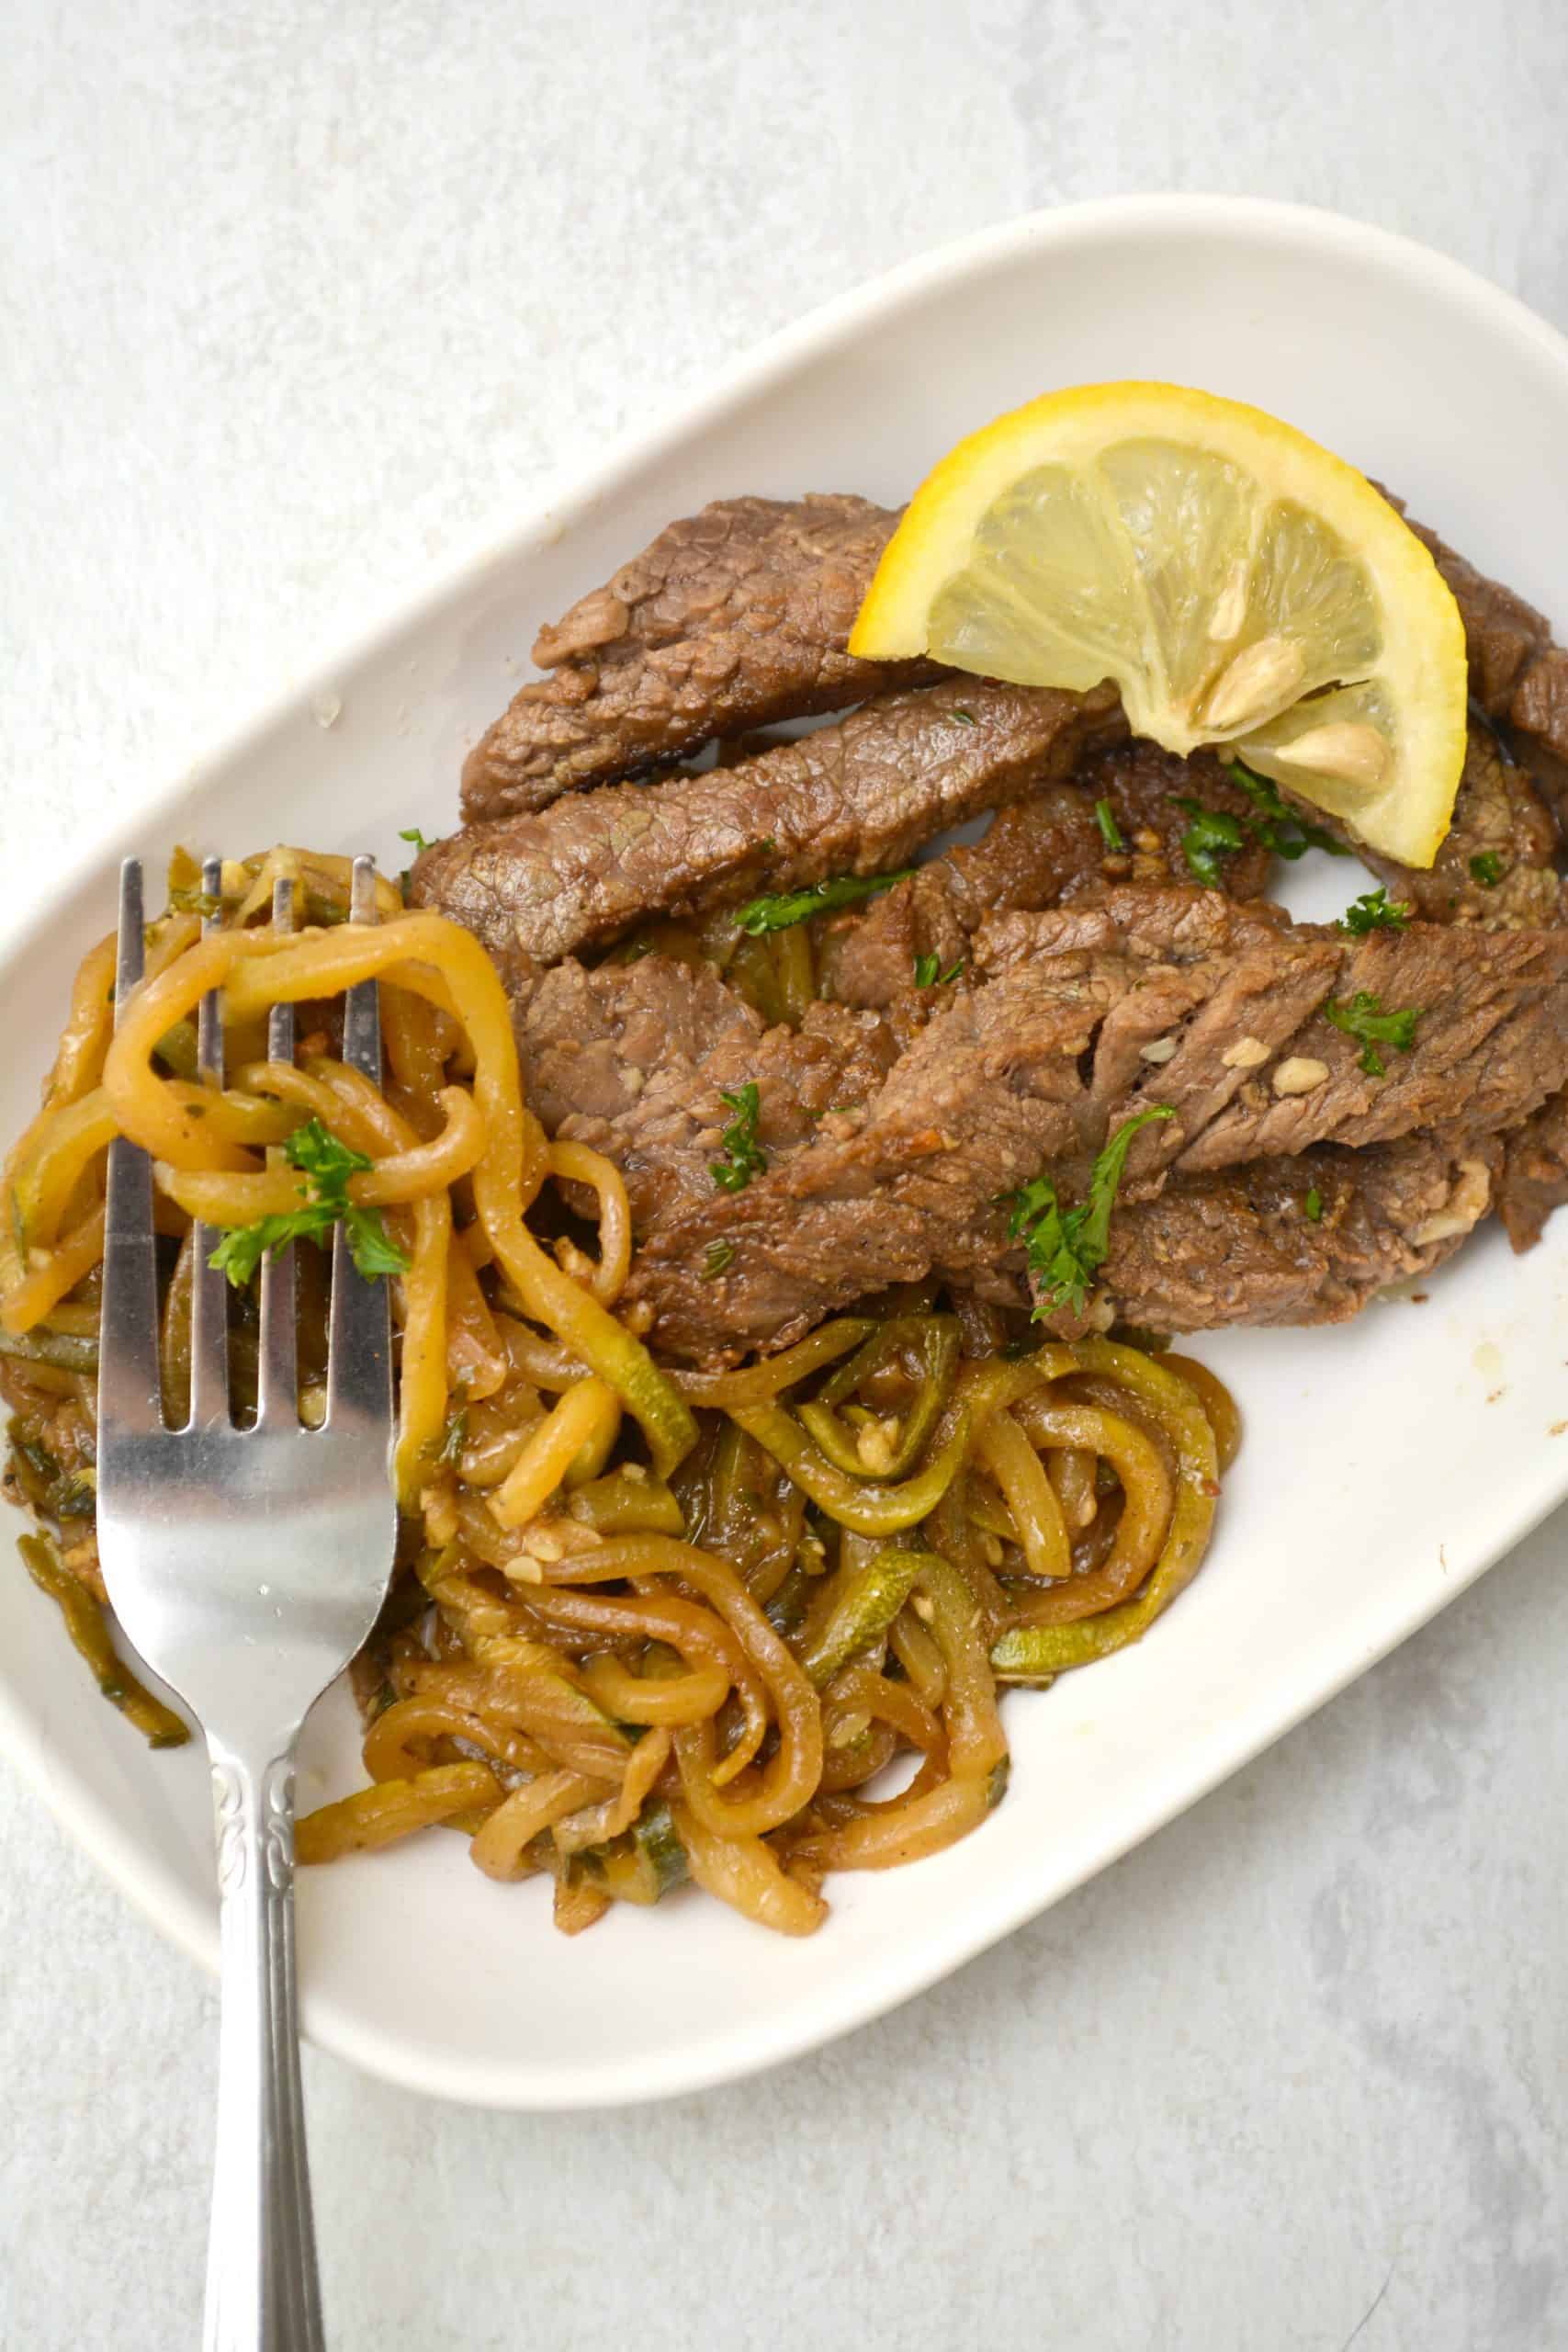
x=1517 y=673
x=733 y=619
x=854 y=798
x=1090 y=1013
x=1239 y=1246
x=633 y=1059
x=1535 y=1173
x=1037 y=852
x=740 y=617
x=1500 y=818
x=1491 y=1039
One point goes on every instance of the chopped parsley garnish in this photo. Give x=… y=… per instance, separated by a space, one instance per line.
x=928 y=973
x=1375 y=910
x=1313 y=1206
x=1486 y=868
x=1065 y=1247
x=1278 y=827
x=965 y=718
x=716 y=1257
x=453 y=1437
x=778 y=911
x=743 y=1158
x=1213 y=835
x=1109 y=831
x=205 y=903
x=413 y=833
x=1364 y=1018
x=327 y=1164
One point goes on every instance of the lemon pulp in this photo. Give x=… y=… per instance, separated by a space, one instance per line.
x=1240 y=584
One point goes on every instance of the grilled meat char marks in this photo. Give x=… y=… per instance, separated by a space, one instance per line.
x=1036 y=1067
x=855 y=797
x=731 y=619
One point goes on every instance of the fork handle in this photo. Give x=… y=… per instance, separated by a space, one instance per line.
x=262 y=2289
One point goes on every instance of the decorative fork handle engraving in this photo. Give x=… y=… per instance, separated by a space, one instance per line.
x=262 y=2291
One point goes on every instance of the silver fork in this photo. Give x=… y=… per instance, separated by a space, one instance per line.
x=247 y=1567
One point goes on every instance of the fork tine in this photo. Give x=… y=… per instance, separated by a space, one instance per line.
x=277 y=1399
x=208 y=1286
x=129 y=1396
x=359 y=1348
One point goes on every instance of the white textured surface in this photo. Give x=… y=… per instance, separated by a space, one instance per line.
x=297 y=300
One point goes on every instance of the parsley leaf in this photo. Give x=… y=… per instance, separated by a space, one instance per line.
x=778 y=911
x=1065 y=1247
x=1213 y=835
x=716 y=1257
x=743 y=1158
x=929 y=975
x=205 y=903
x=327 y=1163
x=1364 y=1018
x=1278 y=827
x=1375 y=910
x=413 y=833
x=965 y=718
x=1486 y=868
x=1313 y=1206
x=1109 y=831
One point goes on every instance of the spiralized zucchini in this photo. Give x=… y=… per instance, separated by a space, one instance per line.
x=649 y=1624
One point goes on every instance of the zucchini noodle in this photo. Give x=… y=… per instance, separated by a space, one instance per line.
x=649 y=1625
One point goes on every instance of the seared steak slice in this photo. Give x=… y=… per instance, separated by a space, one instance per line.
x=732 y=618
x=1517 y=672
x=1094 y=1011
x=1535 y=1173
x=1037 y=852
x=1503 y=635
x=855 y=797
x=1502 y=829
x=1491 y=1039
x=634 y=1059
x=1240 y=1246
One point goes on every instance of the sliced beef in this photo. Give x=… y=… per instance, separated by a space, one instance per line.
x=1088 y=1014
x=1503 y=635
x=1535 y=1173
x=1243 y=1247
x=633 y=1059
x=855 y=797
x=1491 y=1039
x=1517 y=673
x=1496 y=868
x=1038 y=853
x=1146 y=788
x=1308 y=1239
x=732 y=618
x=1539 y=711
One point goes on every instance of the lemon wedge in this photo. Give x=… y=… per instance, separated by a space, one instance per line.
x=1241 y=586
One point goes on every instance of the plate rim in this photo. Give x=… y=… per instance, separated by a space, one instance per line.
x=747 y=2049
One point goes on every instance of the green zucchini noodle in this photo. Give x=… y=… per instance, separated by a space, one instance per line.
x=646 y=1625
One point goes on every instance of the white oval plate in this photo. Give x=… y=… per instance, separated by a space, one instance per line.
x=1386 y=1464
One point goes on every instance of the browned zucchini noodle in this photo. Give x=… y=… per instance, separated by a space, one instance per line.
x=647 y=1624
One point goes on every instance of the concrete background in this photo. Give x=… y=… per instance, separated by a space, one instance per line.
x=297 y=300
